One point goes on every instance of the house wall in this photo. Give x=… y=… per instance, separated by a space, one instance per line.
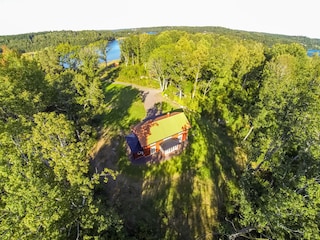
x=146 y=149
x=137 y=155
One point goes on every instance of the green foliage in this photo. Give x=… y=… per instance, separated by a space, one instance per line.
x=285 y=148
x=36 y=41
x=280 y=213
x=131 y=73
x=265 y=38
x=267 y=100
x=159 y=65
x=31 y=42
x=124 y=107
x=49 y=59
x=89 y=60
x=23 y=89
x=251 y=168
x=47 y=191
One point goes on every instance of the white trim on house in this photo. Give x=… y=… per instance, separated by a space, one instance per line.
x=167 y=138
x=153 y=149
x=170 y=146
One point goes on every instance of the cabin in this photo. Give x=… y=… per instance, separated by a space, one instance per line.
x=163 y=135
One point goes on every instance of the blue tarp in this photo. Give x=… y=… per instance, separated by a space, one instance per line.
x=133 y=143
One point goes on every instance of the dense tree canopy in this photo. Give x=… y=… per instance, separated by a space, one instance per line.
x=46 y=188
x=264 y=97
x=31 y=42
x=268 y=99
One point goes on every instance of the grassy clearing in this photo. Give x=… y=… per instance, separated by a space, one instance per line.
x=129 y=74
x=181 y=198
x=125 y=107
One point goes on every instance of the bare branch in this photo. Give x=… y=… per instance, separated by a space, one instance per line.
x=241 y=233
x=245 y=138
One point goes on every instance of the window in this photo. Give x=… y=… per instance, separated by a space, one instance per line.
x=153 y=149
x=171 y=149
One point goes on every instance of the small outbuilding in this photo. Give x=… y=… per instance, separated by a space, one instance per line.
x=165 y=134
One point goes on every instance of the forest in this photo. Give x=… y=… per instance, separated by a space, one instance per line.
x=250 y=170
x=30 y=42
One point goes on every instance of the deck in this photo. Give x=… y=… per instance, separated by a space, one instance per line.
x=157 y=157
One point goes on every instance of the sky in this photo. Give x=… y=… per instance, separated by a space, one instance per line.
x=294 y=17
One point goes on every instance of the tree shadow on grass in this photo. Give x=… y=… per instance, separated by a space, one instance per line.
x=118 y=100
x=110 y=72
x=117 y=118
x=225 y=168
x=198 y=194
x=181 y=198
x=198 y=190
x=184 y=197
x=154 y=111
x=116 y=121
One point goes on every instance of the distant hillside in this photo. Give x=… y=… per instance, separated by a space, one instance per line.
x=266 y=38
x=35 y=41
x=30 y=42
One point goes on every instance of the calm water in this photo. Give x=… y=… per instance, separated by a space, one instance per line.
x=312 y=52
x=113 y=51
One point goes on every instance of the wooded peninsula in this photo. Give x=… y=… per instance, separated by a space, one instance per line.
x=251 y=169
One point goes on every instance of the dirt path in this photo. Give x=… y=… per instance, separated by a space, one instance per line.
x=104 y=154
x=151 y=96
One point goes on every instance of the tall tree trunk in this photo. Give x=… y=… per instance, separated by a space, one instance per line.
x=245 y=138
x=195 y=83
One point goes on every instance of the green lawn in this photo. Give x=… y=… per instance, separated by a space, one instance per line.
x=124 y=107
x=181 y=198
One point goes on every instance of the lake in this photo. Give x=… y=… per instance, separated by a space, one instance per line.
x=312 y=52
x=113 y=51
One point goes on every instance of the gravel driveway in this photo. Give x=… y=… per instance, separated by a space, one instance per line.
x=150 y=97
